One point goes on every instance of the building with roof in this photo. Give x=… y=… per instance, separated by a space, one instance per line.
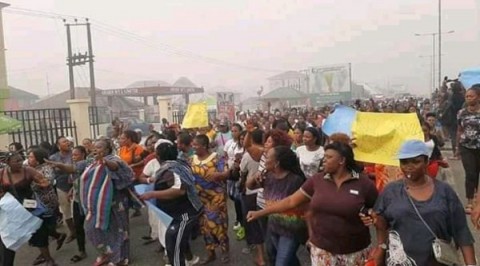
x=284 y=97
x=20 y=100
x=289 y=79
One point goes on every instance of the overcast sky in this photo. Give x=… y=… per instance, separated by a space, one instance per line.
x=377 y=37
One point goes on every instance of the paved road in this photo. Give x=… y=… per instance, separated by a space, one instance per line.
x=146 y=254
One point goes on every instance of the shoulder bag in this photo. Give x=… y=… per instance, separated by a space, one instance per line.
x=443 y=251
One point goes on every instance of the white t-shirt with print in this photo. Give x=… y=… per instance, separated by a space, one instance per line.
x=310 y=161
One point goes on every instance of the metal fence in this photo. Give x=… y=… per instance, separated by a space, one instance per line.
x=42 y=125
x=98 y=116
x=177 y=116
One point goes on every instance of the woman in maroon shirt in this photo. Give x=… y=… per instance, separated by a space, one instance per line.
x=337 y=196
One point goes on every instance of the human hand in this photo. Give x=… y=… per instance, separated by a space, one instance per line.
x=253 y=215
x=147 y=195
x=368 y=219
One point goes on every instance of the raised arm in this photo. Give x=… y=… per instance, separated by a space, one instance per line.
x=294 y=200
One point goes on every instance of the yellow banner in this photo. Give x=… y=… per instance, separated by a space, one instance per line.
x=378 y=136
x=196 y=116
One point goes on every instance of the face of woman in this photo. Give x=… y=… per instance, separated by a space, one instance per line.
x=151 y=144
x=268 y=144
x=333 y=161
x=15 y=162
x=308 y=138
x=235 y=133
x=77 y=155
x=471 y=98
x=100 y=150
x=32 y=161
x=270 y=161
x=124 y=141
x=301 y=119
x=426 y=132
x=412 y=109
x=242 y=139
x=87 y=144
x=271 y=119
x=298 y=135
x=63 y=144
x=197 y=147
x=414 y=168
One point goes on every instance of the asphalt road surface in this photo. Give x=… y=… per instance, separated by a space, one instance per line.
x=148 y=254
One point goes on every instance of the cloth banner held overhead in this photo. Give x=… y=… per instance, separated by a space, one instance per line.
x=196 y=116
x=470 y=77
x=340 y=121
x=378 y=136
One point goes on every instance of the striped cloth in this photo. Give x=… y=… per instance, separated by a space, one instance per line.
x=97 y=191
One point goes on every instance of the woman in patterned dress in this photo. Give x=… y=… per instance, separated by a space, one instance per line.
x=210 y=179
x=107 y=181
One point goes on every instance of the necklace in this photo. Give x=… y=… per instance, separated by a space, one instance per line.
x=422 y=186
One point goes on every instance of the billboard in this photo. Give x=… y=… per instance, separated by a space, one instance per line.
x=226 y=106
x=330 y=79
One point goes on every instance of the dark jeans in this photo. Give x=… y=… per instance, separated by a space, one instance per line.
x=471 y=164
x=8 y=256
x=177 y=238
x=79 y=220
x=282 y=250
x=452 y=131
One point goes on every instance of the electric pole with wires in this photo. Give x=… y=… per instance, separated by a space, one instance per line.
x=79 y=59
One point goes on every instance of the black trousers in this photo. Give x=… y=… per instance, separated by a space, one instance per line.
x=255 y=230
x=471 y=164
x=177 y=238
x=8 y=256
x=79 y=220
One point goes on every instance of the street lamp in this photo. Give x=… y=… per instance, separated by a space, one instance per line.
x=433 y=34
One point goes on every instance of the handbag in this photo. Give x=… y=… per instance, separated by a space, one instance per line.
x=443 y=251
x=39 y=209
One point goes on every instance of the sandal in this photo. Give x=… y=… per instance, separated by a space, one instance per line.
x=39 y=260
x=100 y=261
x=61 y=241
x=225 y=259
x=78 y=258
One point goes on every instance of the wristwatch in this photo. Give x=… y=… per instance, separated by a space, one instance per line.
x=383 y=246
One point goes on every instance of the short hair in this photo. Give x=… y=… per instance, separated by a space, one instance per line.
x=257 y=136
x=203 y=140
x=279 y=137
x=40 y=155
x=345 y=151
x=166 y=152
x=185 y=138
x=131 y=135
x=431 y=114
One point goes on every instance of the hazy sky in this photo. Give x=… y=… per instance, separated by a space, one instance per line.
x=377 y=37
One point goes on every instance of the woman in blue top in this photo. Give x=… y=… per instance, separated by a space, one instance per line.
x=400 y=228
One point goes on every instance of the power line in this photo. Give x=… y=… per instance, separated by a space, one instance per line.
x=121 y=33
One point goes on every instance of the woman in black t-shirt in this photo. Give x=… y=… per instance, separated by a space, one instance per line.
x=175 y=194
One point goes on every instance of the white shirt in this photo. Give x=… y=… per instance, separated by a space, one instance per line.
x=310 y=161
x=153 y=166
x=231 y=149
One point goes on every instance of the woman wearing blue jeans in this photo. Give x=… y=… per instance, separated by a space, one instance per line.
x=286 y=230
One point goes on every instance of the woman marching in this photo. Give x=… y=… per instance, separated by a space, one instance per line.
x=175 y=194
x=104 y=196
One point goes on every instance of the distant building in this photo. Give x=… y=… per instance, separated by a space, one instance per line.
x=290 y=79
x=20 y=100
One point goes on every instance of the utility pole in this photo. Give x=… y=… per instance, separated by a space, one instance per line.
x=79 y=59
x=4 y=90
x=71 y=78
x=93 y=91
x=439 y=43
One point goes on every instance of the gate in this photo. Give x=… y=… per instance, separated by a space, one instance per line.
x=177 y=116
x=42 y=125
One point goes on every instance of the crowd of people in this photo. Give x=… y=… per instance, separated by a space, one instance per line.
x=289 y=183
